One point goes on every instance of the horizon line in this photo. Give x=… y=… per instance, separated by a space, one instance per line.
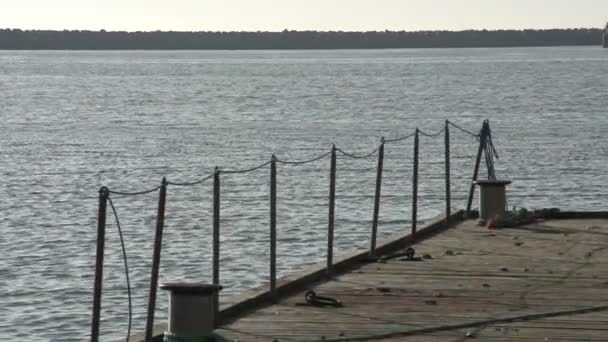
x=299 y=30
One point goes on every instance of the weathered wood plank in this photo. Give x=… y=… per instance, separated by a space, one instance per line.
x=473 y=275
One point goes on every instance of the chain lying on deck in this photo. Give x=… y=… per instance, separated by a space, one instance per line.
x=313 y=299
x=408 y=254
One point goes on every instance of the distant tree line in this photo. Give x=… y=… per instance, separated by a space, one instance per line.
x=15 y=39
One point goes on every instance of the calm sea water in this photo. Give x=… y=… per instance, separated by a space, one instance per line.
x=74 y=121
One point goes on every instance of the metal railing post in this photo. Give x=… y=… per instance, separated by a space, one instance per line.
x=331 y=217
x=482 y=143
x=273 y=227
x=415 y=183
x=216 y=236
x=372 y=248
x=101 y=240
x=158 y=238
x=448 y=194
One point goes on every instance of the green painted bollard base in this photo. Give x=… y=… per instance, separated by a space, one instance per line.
x=173 y=337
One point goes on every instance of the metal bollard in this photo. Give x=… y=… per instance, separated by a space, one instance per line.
x=191 y=311
x=492 y=199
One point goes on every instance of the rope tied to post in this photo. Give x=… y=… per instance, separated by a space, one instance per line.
x=489 y=150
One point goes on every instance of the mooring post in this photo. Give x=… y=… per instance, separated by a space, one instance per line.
x=415 y=183
x=273 y=227
x=158 y=239
x=101 y=241
x=191 y=312
x=482 y=143
x=372 y=248
x=331 y=217
x=216 y=235
x=448 y=194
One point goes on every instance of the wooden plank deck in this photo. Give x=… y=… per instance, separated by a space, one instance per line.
x=475 y=282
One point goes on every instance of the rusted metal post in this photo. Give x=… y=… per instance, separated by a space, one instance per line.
x=448 y=194
x=101 y=241
x=415 y=183
x=158 y=239
x=331 y=217
x=216 y=235
x=482 y=143
x=372 y=248
x=273 y=227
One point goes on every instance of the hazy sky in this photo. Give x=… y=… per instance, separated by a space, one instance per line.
x=276 y=15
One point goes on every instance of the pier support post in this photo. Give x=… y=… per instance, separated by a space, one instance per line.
x=101 y=241
x=372 y=248
x=415 y=182
x=331 y=218
x=273 y=227
x=448 y=194
x=158 y=239
x=216 y=235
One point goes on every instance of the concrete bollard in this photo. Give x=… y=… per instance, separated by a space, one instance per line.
x=191 y=311
x=492 y=198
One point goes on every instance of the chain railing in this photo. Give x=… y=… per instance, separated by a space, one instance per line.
x=485 y=146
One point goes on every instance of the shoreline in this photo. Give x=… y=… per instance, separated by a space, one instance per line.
x=16 y=39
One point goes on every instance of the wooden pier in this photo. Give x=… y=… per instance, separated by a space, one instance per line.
x=540 y=282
